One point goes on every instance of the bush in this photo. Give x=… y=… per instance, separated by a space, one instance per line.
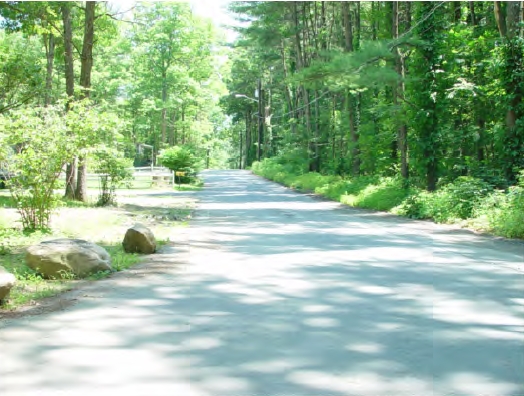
x=456 y=200
x=180 y=159
x=43 y=148
x=503 y=213
x=114 y=171
x=294 y=161
x=388 y=193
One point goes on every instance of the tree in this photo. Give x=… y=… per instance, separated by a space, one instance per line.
x=40 y=134
x=85 y=84
x=509 y=18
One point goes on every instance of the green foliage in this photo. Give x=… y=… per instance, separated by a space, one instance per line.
x=180 y=159
x=457 y=199
x=503 y=212
x=114 y=171
x=21 y=71
x=121 y=260
x=453 y=202
x=388 y=193
x=40 y=134
x=12 y=239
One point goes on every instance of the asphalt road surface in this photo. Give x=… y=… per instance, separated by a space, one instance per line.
x=276 y=293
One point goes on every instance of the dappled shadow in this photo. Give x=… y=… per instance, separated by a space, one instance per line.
x=279 y=294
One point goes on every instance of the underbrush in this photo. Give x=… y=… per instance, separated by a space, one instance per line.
x=467 y=201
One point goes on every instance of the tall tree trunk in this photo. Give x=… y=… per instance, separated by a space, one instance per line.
x=428 y=122
x=351 y=101
x=508 y=24
x=70 y=90
x=287 y=89
x=249 y=141
x=85 y=83
x=172 y=127
x=317 y=159
x=164 y=105
x=348 y=28
x=457 y=11
x=87 y=49
x=399 y=90
x=49 y=40
x=500 y=17
x=472 y=15
x=183 y=137
x=240 y=148
x=260 y=118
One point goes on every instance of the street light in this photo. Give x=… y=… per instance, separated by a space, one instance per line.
x=245 y=96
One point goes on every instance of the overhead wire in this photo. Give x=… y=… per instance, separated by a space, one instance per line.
x=425 y=18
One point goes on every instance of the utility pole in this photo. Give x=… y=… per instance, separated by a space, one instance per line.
x=260 y=119
x=240 y=149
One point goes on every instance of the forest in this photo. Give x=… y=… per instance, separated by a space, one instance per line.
x=415 y=108
x=85 y=87
x=410 y=107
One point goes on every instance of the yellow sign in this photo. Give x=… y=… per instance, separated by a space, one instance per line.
x=180 y=173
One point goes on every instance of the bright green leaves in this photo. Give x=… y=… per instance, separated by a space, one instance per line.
x=22 y=71
x=41 y=148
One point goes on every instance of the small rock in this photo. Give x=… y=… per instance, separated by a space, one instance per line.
x=139 y=239
x=53 y=258
x=7 y=281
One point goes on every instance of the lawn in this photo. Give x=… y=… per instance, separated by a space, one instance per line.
x=162 y=210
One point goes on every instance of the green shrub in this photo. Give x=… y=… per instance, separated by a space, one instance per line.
x=294 y=160
x=42 y=135
x=386 y=194
x=456 y=200
x=114 y=171
x=502 y=212
x=510 y=222
x=334 y=190
x=180 y=159
x=413 y=206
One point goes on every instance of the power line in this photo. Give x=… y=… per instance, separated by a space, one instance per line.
x=425 y=18
x=295 y=110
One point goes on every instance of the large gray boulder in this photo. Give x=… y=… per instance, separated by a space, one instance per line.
x=7 y=281
x=54 y=258
x=139 y=239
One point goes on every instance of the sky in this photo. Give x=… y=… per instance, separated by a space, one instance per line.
x=212 y=9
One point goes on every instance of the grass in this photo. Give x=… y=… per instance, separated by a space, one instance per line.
x=30 y=286
x=187 y=187
x=195 y=185
x=104 y=226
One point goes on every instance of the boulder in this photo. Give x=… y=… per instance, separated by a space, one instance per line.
x=7 y=281
x=139 y=239
x=53 y=258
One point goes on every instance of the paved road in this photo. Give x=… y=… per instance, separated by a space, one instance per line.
x=281 y=294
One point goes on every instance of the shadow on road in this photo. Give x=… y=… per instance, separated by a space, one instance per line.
x=287 y=295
